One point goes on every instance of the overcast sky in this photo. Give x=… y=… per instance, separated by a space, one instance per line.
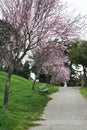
x=79 y=5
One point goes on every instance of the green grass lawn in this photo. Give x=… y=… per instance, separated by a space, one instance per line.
x=25 y=105
x=83 y=91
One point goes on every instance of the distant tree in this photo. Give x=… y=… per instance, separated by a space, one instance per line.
x=50 y=60
x=56 y=65
x=78 y=55
x=74 y=77
x=44 y=78
x=18 y=69
x=26 y=70
x=40 y=56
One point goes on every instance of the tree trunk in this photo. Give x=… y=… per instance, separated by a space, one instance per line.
x=6 y=92
x=33 y=86
x=37 y=75
x=84 y=77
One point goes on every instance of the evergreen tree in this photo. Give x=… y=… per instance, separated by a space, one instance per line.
x=78 y=55
x=26 y=70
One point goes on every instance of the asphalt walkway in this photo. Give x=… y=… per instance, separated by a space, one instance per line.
x=66 y=111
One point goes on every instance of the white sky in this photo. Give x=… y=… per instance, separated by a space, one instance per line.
x=79 y=5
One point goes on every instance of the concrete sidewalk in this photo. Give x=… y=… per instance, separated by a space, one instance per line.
x=67 y=111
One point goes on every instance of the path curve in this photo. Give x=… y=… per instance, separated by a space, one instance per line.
x=66 y=111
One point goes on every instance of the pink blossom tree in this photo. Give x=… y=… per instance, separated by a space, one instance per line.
x=32 y=22
x=40 y=56
x=51 y=59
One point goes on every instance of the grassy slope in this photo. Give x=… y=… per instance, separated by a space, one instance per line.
x=25 y=105
x=83 y=91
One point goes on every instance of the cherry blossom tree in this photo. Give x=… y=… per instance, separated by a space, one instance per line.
x=32 y=22
x=40 y=56
x=53 y=62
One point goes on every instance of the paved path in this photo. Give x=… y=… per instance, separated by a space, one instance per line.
x=67 y=111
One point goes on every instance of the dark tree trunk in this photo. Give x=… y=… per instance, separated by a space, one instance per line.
x=84 y=77
x=33 y=85
x=6 y=92
x=37 y=75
